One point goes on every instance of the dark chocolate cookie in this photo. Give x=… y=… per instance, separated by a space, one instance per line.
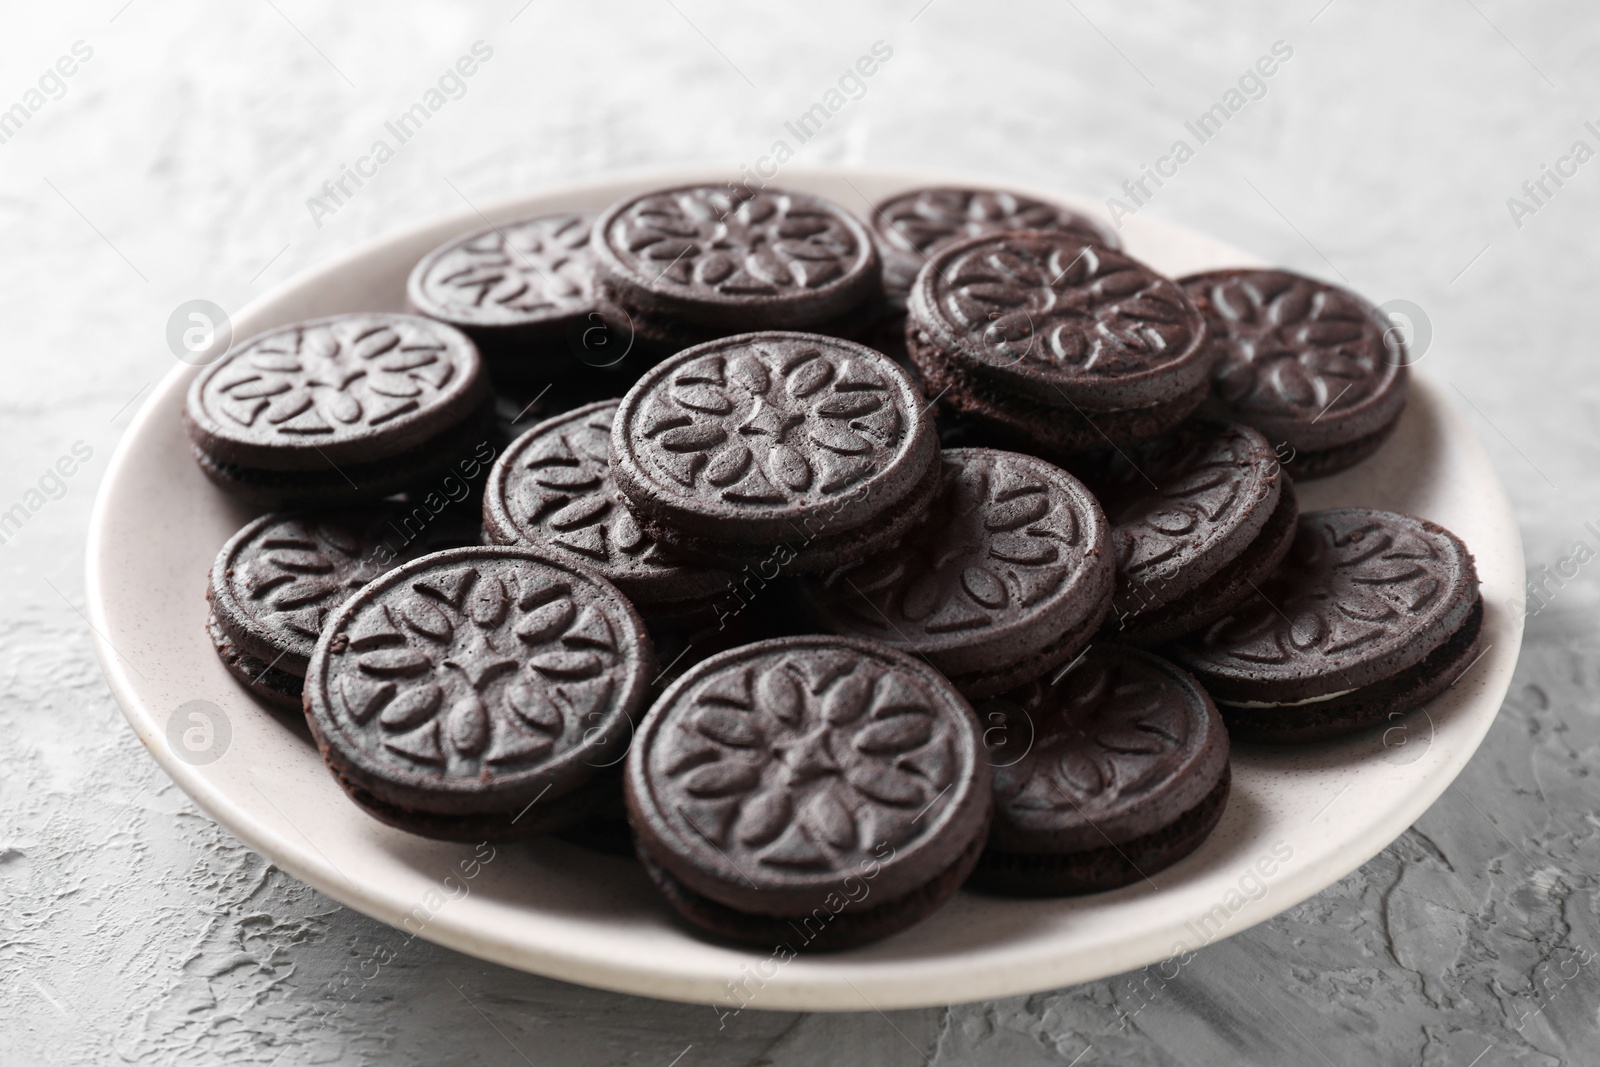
x=809 y=791
x=805 y=449
x=1008 y=576
x=1199 y=518
x=1305 y=362
x=517 y=289
x=479 y=692
x=1103 y=775
x=346 y=408
x=276 y=581
x=1058 y=342
x=1370 y=613
x=553 y=487
x=912 y=225
x=714 y=260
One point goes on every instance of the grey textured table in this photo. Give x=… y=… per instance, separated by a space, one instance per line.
x=177 y=161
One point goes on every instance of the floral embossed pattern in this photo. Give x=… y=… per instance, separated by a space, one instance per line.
x=285 y=574
x=330 y=380
x=1093 y=743
x=918 y=222
x=522 y=272
x=1176 y=500
x=713 y=241
x=1007 y=538
x=288 y=572
x=807 y=761
x=1358 y=588
x=479 y=666
x=772 y=424
x=1058 y=304
x=554 y=487
x=1293 y=347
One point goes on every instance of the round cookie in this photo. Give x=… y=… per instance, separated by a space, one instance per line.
x=911 y=226
x=812 y=792
x=1103 y=775
x=552 y=488
x=276 y=581
x=479 y=693
x=1370 y=613
x=340 y=409
x=1062 y=345
x=1199 y=519
x=690 y=264
x=784 y=449
x=1305 y=362
x=517 y=289
x=1008 y=576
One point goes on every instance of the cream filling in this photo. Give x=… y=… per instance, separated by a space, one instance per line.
x=1290 y=704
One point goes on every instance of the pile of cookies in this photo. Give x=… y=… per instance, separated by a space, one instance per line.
x=825 y=564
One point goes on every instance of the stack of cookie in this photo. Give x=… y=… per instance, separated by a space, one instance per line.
x=834 y=563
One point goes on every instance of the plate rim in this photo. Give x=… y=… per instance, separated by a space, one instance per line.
x=957 y=983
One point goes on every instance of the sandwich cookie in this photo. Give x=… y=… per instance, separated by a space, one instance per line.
x=1103 y=775
x=788 y=450
x=1199 y=519
x=336 y=410
x=808 y=793
x=480 y=693
x=677 y=267
x=520 y=290
x=911 y=226
x=552 y=488
x=1371 y=614
x=1007 y=577
x=276 y=581
x=1308 y=364
x=1058 y=344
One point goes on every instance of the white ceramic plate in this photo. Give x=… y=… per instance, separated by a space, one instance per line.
x=1296 y=822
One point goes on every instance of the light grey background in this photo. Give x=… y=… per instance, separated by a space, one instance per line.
x=177 y=165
